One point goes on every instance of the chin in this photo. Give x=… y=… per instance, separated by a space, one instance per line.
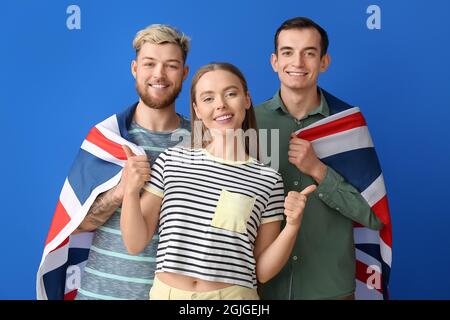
x=297 y=86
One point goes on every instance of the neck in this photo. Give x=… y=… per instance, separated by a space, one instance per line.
x=300 y=102
x=228 y=147
x=164 y=119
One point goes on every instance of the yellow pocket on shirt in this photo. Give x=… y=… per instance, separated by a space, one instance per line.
x=233 y=211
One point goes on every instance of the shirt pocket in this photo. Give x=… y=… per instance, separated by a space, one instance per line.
x=233 y=211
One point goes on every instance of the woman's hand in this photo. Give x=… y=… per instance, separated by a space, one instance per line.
x=294 y=205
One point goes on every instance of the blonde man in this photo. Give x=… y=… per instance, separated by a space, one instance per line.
x=159 y=69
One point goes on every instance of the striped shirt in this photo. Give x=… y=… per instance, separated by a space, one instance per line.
x=211 y=212
x=111 y=273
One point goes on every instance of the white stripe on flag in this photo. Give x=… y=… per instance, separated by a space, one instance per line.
x=100 y=153
x=386 y=253
x=81 y=240
x=111 y=124
x=348 y=140
x=110 y=130
x=364 y=235
x=55 y=259
x=69 y=200
x=364 y=293
x=375 y=192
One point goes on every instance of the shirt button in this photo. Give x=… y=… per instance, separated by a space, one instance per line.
x=194 y=296
x=295 y=183
x=338 y=209
x=320 y=195
x=294 y=258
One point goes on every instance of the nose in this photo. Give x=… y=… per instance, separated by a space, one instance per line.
x=220 y=102
x=299 y=60
x=159 y=71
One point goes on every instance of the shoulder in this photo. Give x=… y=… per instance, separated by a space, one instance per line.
x=335 y=104
x=181 y=151
x=267 y=170
x=264 y=107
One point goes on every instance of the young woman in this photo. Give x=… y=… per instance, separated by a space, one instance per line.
x=218 y=209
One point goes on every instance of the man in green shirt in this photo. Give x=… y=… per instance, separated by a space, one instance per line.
x=322 y=264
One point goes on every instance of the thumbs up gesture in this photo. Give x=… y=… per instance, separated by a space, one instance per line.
x=295 y=203
x=135 y=172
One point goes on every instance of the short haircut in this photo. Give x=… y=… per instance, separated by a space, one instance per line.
x=303 y=23
x=159 y=34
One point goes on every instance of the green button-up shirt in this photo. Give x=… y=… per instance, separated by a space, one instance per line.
x=322 y=263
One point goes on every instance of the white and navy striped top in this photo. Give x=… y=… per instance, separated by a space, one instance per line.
x=211 y=212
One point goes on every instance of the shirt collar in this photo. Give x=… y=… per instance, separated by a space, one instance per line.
x=322 y=109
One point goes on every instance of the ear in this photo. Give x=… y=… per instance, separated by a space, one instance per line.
x=248 y=100
x=325 y=62
x=196 y=111
x=274 y=62
x=185 y=72
x=134 y=68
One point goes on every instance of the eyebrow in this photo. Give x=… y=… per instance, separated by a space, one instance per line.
x=210 y=91
x=205 y=93
x=286 y=48
x=231 y=87
x=310 y=48
x=153 y=59
x=304 y=49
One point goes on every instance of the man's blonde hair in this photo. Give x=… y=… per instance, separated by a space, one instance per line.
x=159 y=34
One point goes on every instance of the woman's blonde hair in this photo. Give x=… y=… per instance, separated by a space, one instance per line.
x=159 y=34
x=200 y=135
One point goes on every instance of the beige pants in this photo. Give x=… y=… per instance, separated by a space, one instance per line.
x=162 y=291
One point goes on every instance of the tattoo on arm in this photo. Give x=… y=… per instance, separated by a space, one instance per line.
x=100 y=211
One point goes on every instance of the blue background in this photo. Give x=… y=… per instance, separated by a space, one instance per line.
x=56 y=83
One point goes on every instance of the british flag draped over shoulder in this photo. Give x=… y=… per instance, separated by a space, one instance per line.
x=343 y=142
x=96 y=169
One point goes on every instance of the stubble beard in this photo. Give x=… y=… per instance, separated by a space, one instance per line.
x=152 y=103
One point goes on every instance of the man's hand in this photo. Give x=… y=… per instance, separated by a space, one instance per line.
x=294 y=204
x=301 y=154
x=136 y=172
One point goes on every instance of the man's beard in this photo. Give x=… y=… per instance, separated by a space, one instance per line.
x=157 y=104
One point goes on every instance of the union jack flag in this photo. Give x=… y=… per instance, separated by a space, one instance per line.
x=96 y=169
x=343 y=142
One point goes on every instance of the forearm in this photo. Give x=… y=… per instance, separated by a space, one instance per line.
x=319 y=172
x=275 y=256
x=101 y=210
x=341 y=196
x=134 y=228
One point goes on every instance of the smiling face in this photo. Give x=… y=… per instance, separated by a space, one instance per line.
x=159 y=72
x=220 y=101
x=297 y=60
